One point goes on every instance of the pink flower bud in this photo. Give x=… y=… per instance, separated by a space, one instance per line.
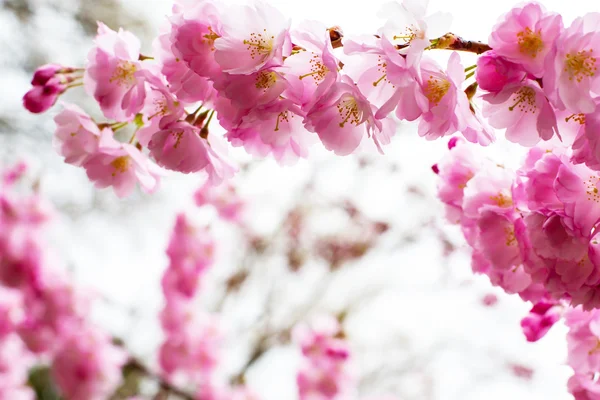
x=494 y=72
x=44 y=73
x=41 y=98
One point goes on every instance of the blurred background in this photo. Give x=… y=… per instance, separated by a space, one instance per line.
x=362 y=237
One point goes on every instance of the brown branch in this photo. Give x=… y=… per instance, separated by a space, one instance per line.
x=450 y=41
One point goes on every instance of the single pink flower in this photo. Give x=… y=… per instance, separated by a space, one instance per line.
x=195 y=26
x=571 y=77
x=279 y=126
x=76 y=136
x=388 y=79
x=313 y=68
x=110 y=76
x=260 y=41
x=121 y=166
x=342 y=117
x=224 y=198
x=184 y=82
x=448 y=104
x=526 y=36
x=586 y=146
x=179 y=146
x=523 y=109
x=578 y=189
x=254 y=89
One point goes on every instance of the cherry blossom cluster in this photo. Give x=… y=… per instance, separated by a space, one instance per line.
x=325 y=373
x=43 y=315
x=276 y=89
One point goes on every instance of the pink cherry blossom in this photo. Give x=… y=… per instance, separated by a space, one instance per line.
x=494 y=72
x=342 y=117
x=179 y=146
x=540 y=319
x=571 y=79
x=526 y=35
x=87 y=366
x=76 y=136
x=110 y=76
x=523 y=109
x=409 y=23
x=455 y=170
x=278 y=125
x=254 y=89
x=577 y=188
x=253 y=38
x=388 y=79
x=312 y=68
x=121 y=166
x=448 y=104
x=194 y=28
x=586 y=147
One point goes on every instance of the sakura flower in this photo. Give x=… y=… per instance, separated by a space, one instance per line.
x=586 y=147
x=540 y=319
x=455 y=170
x=489 y=190
x=408 y=23
x=254 y=89
x=311 y=70
x=494 y=72
x=76 y=136
x=577 y=188
x=179 y=146
x=582 y=340
x=583 y=387
x=195 y=26
x=342 y=117
x=88 y=366
x=279 y=126
x=389 y=80
x=121 y=166
x=253 y=38
x=571 y=79
x=526 y=35
x=448 y=104
x=185 y=83
x=523 y=109
x=110 y=76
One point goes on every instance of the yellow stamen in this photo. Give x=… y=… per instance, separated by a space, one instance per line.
x=580 y=65
x=525 y=100
x=349 y=112
x=259 y=44
x=530 y=42
x=436 y=89
x=120 y=164
x=124 y=73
